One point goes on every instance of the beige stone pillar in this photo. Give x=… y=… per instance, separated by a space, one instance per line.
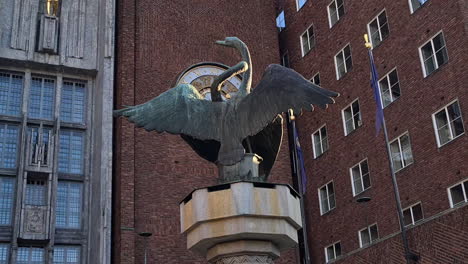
x=242 y=222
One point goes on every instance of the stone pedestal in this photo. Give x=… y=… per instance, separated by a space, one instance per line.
x=241 y=222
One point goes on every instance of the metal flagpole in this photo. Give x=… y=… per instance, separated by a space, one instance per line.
x=408 y=254
x=299 y=183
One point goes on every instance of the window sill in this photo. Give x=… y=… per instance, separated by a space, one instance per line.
x=402 y=169
x=359 y=194
x=321 y=155
x=328 y=212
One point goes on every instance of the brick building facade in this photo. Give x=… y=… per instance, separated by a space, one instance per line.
x=402 y=40
x=157 y=40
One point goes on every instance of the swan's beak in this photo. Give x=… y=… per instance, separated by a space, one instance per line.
x=221 y=42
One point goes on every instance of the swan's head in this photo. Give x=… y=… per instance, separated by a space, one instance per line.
x=232 y=42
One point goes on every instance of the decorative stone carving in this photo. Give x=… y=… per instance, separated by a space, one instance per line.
x=23 y=24
x=48 y=34
x=74 y=25
x=245 y=260
x=34 y=220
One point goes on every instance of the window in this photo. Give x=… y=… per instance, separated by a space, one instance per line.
x=8 y=145
x=11 y=90
x=332 y=251
x=66 y=255
x=300 y=4
x=458 y=194
x=433 y=54
x=412 y=214
x=360 y=177
x=378 y=29
x=389 y=88
x=72 y=108
x=71 y=152
x=68 y=211
x=307 y=40
x=316 y=79
x=401 y=152
x=335 y=11
x=4 y=253
x=36 y=192
x=280 y=21
x=448 y=123
x=30 y=255
x=7 y=192
x=285 y=60
x=320 y=141
x=327 y=198
x=343 y=62
x=415 y=4
x=351 y=117
x=368 y=235
x=42 y=98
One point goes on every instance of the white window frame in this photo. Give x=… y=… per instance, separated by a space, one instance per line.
x=353 y=114
x=436 y=64
x=370 y=236
x=321 y=141
x=361 y=176
x=307 y=32
x=328 y=195
x=299 y=7
x=404 y=165
x=390 y=87
x=465 y=193
x=337 y=12
x=434 y=123
x=379 y=28
x=344 y=61
x=411 y=212
x=412 y=10
x=334 y=250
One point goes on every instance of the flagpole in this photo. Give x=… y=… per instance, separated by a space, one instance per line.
x=408 y=254
x=300 y=189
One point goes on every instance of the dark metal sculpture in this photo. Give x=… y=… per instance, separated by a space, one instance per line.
x=182 y=110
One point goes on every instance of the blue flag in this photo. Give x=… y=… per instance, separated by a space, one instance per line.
x=300 y=161
x=379 y=119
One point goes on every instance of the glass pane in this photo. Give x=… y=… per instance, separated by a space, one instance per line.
x=42 y=98
x=305 y=43
x=36 y=192
x=365 y=239
x=330 y=189
x=396 y=158
x=71 y=152
x=8 y=145
x=7 y=191
x=66 y=255
x=416 y=4
x=22 y=255
x=72 y=102
x=356 y=173
x=429 y=65
x=407 y=217
x=442 y=127
x=366 y=181
x=332 y=201
x=37 y=255
x=457 y=194
x=384 y=31
x=406 y=148
x=340 y=8
x=457 y=127
x=396 y=91
x=4 y=253
x=68 y=211
x=301 y=3
x=442 y=57
x=330 y=253
x=349 y=63
x=382 y=19
x=338 y=249
x=374 y=32
x=417 y=212
x=11 y=90
x=438 y=42
x=373 y=232
x=317 y=79
x=317 y=145
x=333 y=13
x=280 y=21
x=453 y=111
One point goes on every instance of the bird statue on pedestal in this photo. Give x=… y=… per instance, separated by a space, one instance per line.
x=250 y=115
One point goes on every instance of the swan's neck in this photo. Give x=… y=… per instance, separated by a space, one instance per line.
x=247 y=76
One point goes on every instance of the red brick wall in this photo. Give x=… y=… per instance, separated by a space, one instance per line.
x=154 y=172
x=434 y=168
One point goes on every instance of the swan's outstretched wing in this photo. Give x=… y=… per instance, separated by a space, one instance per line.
x=180 y=110
x=279 y=90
